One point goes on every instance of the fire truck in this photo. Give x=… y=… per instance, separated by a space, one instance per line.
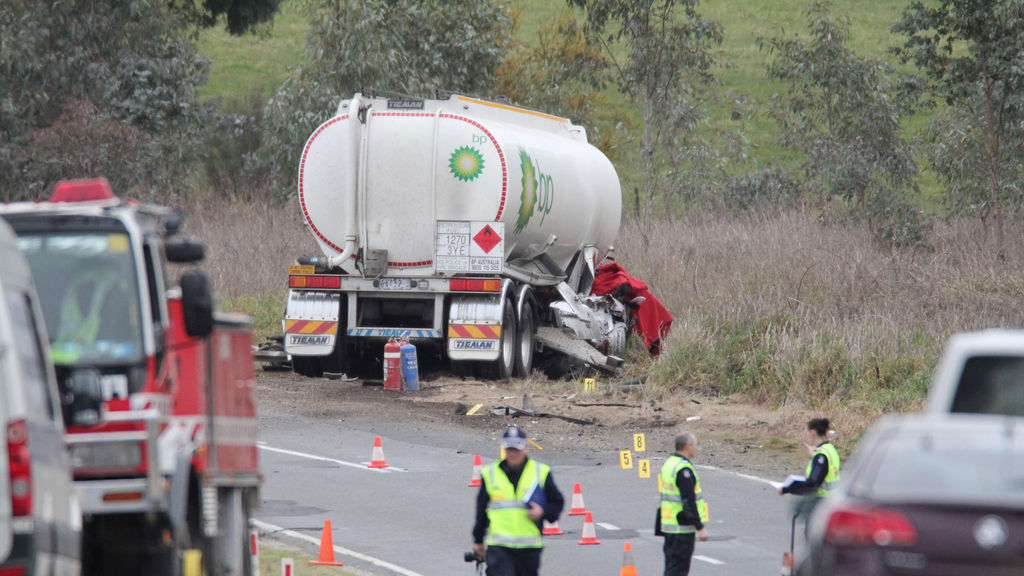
x=157 y=388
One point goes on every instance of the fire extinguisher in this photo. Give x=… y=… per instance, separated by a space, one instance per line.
x=393 y=366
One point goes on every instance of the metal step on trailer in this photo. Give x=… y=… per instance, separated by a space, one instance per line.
x=578 y=350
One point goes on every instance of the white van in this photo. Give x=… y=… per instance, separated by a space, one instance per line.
x=40 y=521
x=980 y=373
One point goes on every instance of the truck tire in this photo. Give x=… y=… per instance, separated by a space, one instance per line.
x=525 y=332
x=503 y=367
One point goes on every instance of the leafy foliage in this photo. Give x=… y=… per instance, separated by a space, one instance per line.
x=562 y=73
x=667 y=63
x=972 y=53
x=56 y=54
x=404 y=46
x=842 y=113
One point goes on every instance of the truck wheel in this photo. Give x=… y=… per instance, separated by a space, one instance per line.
x=502 y=368
x=308 y=366
x=524 y=341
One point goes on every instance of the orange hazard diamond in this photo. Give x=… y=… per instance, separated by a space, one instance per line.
x=486 y=239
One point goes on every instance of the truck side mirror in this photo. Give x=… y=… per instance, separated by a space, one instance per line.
x=82 y=397
x=197 y=304
x=184 y=251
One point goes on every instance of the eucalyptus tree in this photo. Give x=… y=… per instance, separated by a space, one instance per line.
x=561 y=72
x=842 y=113
x=105 y=88
x=660 y=56
x=972 y=53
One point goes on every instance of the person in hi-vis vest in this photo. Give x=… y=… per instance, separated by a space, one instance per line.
x=517 y=493
x=823 y=469
x=683 y=511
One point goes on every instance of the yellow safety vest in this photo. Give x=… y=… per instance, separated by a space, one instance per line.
x=509 y=526
x=830 y=453
x=672 y=500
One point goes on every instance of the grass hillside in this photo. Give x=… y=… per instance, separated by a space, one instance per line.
x=258 y=64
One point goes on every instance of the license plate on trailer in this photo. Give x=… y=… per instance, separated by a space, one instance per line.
x=393 y=284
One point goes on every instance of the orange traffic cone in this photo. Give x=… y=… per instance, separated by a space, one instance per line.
x=577 y=501
x=326 y=557
x=551 y=529
x=475 y=481
x=378 y=455
x=787 y=564
x=589 y=534
x=628 y=568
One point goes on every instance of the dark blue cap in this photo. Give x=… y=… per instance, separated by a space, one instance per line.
x=514 y=438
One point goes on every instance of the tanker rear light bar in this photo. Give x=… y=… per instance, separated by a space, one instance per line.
x=314 y=281
x=474 y=285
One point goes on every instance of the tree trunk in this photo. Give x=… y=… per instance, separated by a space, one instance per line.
x=992 y=130
x=649 y=166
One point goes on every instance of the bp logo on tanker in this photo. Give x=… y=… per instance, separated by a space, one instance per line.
x=466 y=163
x=538 y=192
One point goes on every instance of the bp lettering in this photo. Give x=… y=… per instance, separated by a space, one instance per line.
x=545 y=193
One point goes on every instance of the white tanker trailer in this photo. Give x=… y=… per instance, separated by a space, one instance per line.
x=473 y=226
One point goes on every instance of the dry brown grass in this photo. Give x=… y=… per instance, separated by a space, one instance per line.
x=781 y=310
x=793 y=313
x=248 y=247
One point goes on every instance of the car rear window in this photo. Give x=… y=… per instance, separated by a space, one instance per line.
x=950 y=464
x=991 y=385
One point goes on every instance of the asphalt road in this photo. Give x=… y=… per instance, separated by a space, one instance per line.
x=415 y=517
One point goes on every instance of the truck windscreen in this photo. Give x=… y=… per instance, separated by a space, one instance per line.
x=88 y=290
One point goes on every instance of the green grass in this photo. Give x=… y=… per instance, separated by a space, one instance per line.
x=259 y=64
x=265 y=310
x=243 y=65
x=271 y=553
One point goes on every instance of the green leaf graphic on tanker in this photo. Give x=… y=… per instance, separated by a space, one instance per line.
x=528 y=197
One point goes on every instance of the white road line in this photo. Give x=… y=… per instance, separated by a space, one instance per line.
x=337 y=549
x=708 y=560
x=740 y=474
x=607 y=526
x=360 y=466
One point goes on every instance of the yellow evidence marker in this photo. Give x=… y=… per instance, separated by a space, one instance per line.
x=625 y=459
x=643 y=469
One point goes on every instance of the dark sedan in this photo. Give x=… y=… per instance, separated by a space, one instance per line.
x=927 y=495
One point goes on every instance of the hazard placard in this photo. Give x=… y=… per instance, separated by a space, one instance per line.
x=471 y=247
x=643 y=469
x=625 y=459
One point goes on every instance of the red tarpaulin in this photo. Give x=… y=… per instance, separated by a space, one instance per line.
x=653 y=320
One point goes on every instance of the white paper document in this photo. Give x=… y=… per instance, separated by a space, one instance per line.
x=789 y=480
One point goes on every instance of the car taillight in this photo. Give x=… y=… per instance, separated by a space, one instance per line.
x=20 y=466
x=865 y=527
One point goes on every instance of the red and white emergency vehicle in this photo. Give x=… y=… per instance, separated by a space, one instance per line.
x=158 y=391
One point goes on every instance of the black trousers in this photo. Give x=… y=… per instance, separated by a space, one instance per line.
x=678 y=553
x=503 y=561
